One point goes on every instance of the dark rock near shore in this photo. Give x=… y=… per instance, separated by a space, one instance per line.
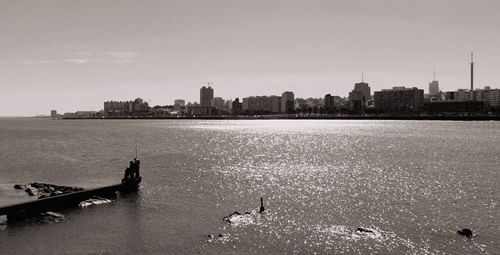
x=465 y=232
x=19 y=186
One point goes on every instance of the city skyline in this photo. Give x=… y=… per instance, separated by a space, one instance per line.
x=52 y=56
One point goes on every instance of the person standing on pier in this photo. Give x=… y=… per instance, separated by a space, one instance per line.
x=137 y=164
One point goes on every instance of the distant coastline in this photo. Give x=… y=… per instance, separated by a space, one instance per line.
x=278 y=117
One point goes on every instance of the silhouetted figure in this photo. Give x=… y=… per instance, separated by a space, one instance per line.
x=262 y=209
x=465 y=232
x=132 y=167
x=128 y=173
x=137 y=164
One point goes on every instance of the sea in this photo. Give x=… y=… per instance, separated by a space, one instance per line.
x=328 y=186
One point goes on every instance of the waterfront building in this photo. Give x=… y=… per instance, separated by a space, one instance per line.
x=53 y=114
x=206 y=96
x=434 y=88
x=462 y=95
x=364 y=89
x=261 y=104
x=487 y=95
x=399 y=99
x=359 y=97
x=287 y=102
x=236 y=107
x=275 y=104
x=179 y=102
x=456 y=107
x=126 y=108
x=357 y=101
x=329 y=103
x=218 y=102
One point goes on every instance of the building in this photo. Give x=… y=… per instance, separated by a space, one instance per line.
x=179 y=103
x=399 y=99
x=329 y=103
x=357 y=101
x=359 y=97
x=364 y=89
x=218 y=102
x=275 y=104
x=236 y=107
x=434 y=88
x=261 y=104
x=462 y=95
x=53 y=114
x=206 y=96
x=287 y=102
x=490 y=96
x=455 y=107
x=126 y=108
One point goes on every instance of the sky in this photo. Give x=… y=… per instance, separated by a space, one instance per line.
x=74 y=55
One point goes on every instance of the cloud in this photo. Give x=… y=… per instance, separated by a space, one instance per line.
x=111 y=57
x=34 y=61
x=123 y=54
x=77 y=60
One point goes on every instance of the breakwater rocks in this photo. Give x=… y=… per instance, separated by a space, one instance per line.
x=43 y=190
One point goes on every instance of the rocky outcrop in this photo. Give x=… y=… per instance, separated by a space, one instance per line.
x=43 y=190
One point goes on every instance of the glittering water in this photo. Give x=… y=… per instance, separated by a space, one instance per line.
x=410 y=184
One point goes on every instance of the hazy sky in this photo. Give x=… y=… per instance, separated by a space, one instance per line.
x=74 y=55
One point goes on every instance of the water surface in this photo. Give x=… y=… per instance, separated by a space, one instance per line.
x=412 y=183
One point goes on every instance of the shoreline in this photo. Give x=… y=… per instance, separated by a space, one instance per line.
x=267 y=117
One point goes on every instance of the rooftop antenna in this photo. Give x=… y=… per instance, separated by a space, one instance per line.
x=472 y=71
x=362 y=77
x=434 y=74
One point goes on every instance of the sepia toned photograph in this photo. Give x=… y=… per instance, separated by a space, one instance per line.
x=249 y=127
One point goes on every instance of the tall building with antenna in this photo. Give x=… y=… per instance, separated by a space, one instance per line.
x=359 y=96
x=206 y=95
x=434 y=87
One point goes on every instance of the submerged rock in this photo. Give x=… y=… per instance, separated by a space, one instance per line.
x=94 y=201
x=237 y=218
x=230 y=216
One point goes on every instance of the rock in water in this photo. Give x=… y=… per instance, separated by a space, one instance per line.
x=19 y=186
x=44 y=190
x=465 y=232
x=364 y=230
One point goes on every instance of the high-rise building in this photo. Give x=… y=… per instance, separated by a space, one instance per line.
x=179 y=102
x=399 y=99
x=287 y=102
x=434 y=88
x=236 y=107
x=275 y=104
x=364 y=89
x=329 y=103
x=53 y=114
x=218 y=102
x=206 y=96
x=359 y=96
